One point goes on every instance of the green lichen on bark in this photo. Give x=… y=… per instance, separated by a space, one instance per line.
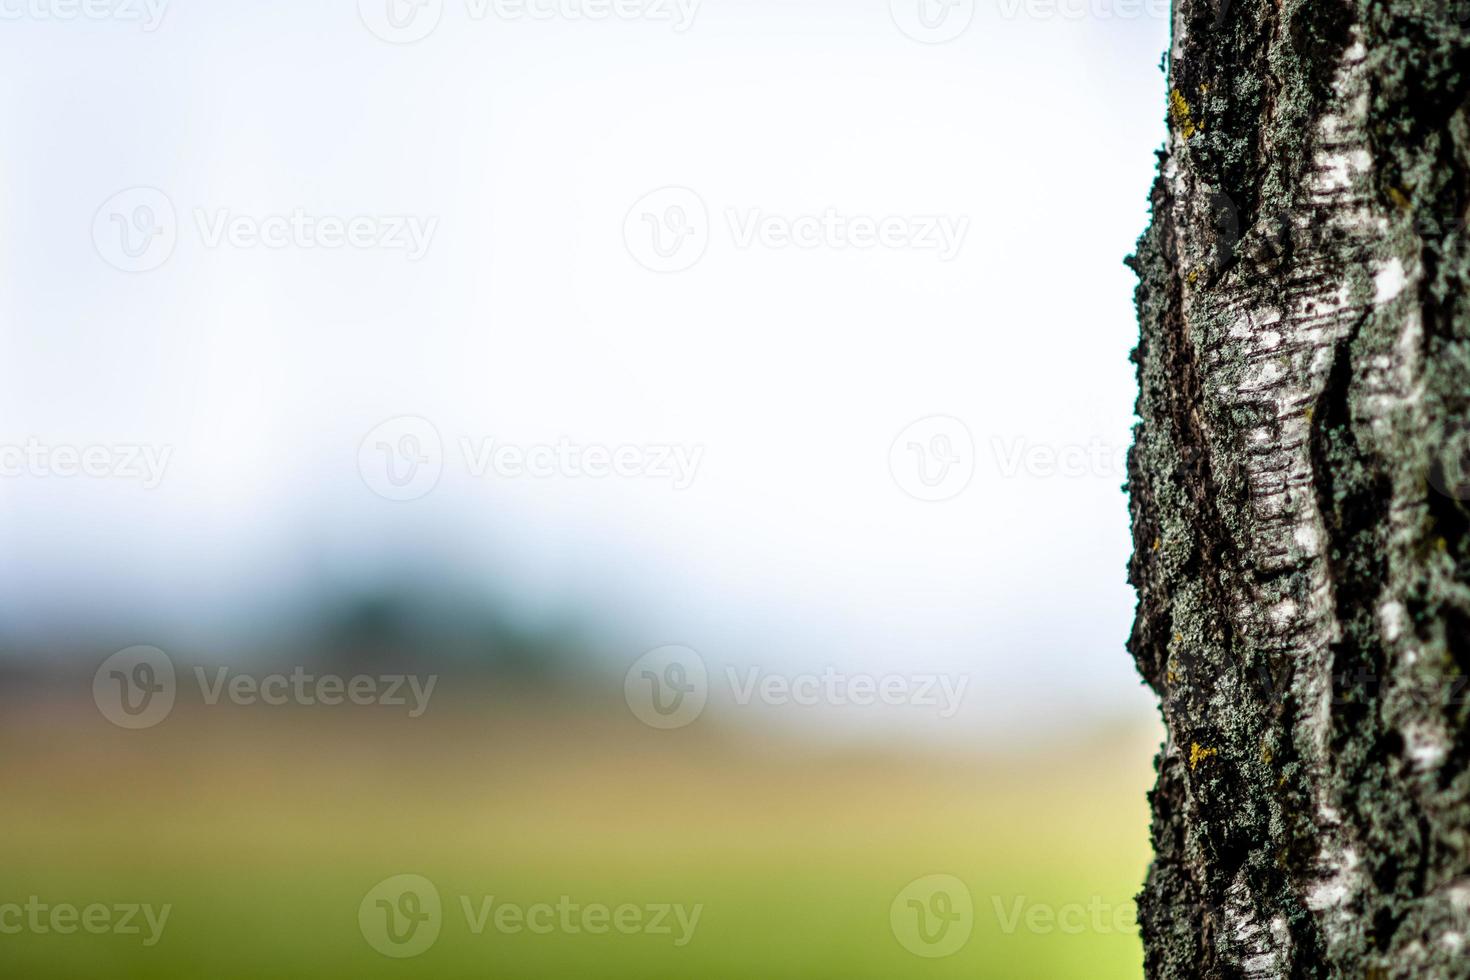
x=1301 y=531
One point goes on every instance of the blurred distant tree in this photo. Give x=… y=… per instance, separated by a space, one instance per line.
x=402 y=626
x=1299 y=485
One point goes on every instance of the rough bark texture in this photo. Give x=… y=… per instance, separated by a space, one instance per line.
x=1299 y=491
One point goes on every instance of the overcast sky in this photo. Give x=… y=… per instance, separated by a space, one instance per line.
x=729 y=252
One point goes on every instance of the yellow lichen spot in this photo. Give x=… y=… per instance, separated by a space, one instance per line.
x=1205 y=89
x=1310 y=412
x=1178 y=637
x=1192 y=276
x=1156 y=544
x=1179 y=109
x=1198 y=755
x=1266 y=754
x=1441 y=544
x=1399 y=198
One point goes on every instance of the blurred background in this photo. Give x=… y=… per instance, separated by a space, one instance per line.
x=571 y=453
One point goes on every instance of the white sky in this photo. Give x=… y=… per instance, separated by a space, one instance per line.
x=529 y=320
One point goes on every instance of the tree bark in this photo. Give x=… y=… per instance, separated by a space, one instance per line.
x=1298 y=490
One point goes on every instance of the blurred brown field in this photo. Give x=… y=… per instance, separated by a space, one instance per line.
x=264 y=828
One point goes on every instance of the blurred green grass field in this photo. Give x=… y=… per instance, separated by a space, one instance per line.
x=265 y=828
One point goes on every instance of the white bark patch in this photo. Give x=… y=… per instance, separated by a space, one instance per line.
x=1284 y=612
x=1318 y=315
x=1389 y=281
x=1336 y=890
x=1260 y=951
x=1393 y=618
x=1425 y=745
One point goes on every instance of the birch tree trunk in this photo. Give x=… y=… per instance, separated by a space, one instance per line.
x=1299 y=488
